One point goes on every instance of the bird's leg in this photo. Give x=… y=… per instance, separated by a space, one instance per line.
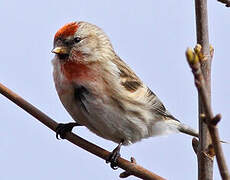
x=115 y=154
x=62 y=129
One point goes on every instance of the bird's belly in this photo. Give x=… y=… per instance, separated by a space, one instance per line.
x=103 y=119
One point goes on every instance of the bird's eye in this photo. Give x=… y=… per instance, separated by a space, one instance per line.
x=77 y=39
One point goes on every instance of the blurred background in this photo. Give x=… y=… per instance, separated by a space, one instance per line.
x=151 y=36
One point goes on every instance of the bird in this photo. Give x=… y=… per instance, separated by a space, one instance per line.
x=101 y=92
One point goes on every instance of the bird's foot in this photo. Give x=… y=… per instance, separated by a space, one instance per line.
x=114 y=156
x=62 y=129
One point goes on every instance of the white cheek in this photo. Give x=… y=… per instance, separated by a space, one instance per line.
x=86 y=50
x=86 y=46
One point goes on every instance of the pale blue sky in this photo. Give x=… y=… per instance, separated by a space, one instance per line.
x=151 y=36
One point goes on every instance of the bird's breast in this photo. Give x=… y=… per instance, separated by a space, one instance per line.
x=73 y=70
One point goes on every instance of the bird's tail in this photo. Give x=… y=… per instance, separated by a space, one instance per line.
x=190 y=131
x=187 y=130
x=177 y=126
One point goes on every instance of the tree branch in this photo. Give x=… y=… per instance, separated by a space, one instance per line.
x=211 y=120
x=205 y=163
x=129 y=167
x=226 y=2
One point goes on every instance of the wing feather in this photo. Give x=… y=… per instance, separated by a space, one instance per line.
x=131 y=82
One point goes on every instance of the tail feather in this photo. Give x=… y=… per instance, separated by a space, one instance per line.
x=183 y=128
x=187 y=130
x=190 y=131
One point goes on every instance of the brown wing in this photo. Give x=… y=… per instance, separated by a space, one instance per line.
x=132 y=83
x=158 y=106
x=128 y=78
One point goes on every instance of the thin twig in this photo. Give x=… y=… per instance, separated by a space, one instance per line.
x=205 y=163
x=211 y=120
x=195 y=144
x=226 y=2
x=132 y=168
x=126 y=174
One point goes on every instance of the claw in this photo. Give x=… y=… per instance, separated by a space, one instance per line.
x=62 y=129
x=114 y=156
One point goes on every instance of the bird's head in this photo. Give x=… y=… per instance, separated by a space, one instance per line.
x=82 y=42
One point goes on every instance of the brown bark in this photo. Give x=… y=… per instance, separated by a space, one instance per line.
x=205 y=163
x=208 y=118
x=207 y=122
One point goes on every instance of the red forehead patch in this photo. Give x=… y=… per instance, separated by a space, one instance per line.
x=67 y=30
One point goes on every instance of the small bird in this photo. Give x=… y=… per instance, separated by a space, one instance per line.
x=102 y=93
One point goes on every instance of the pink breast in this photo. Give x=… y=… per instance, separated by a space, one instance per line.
x=77 y=71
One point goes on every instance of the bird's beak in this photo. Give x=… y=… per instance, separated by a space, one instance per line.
x=60 y=50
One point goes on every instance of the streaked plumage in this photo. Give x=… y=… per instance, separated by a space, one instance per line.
x=102 y=93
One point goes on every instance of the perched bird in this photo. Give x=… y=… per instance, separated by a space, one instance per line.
x=102 y=93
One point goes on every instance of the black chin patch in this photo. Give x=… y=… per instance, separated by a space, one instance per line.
x=63 y=56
